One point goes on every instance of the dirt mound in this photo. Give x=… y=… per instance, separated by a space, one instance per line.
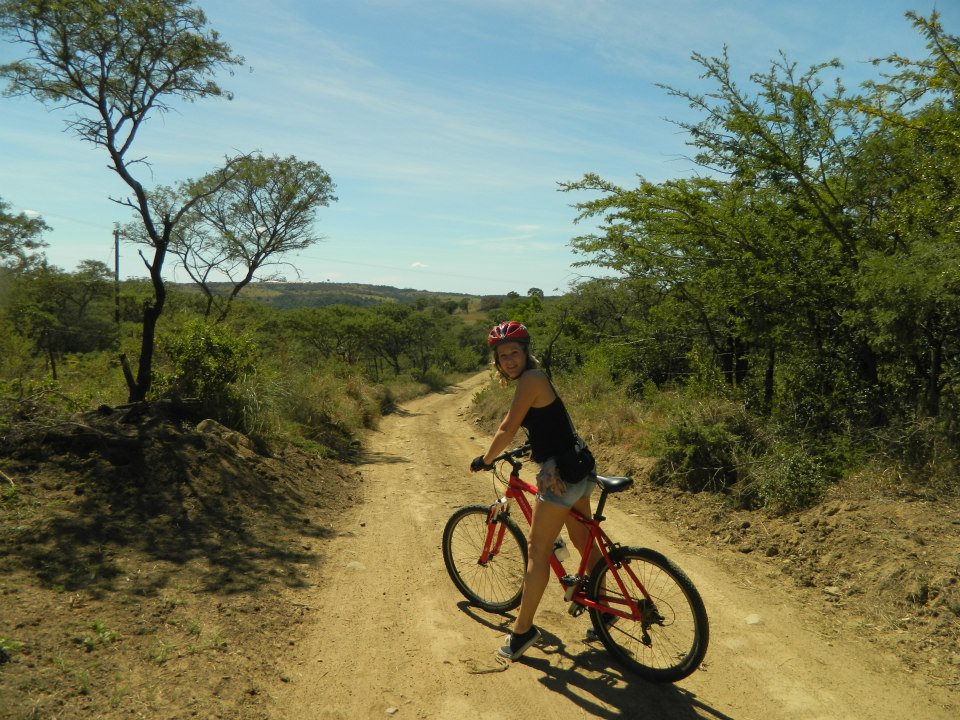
x=145 y=560
x=882 y=568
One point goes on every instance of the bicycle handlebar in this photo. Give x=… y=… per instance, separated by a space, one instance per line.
x=512 y=456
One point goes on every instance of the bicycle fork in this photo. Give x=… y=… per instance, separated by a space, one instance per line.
x=495 y=530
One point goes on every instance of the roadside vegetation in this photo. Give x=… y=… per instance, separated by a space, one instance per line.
x=315 y=377
x=786 y=321
x=790 y=318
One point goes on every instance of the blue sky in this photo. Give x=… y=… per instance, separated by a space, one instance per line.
x=446 y=125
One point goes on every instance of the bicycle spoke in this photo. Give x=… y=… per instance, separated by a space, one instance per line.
x=496 y=584
x=667 y=639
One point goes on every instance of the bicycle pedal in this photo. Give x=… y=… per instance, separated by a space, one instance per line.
x=576 y=609
x=570 y=583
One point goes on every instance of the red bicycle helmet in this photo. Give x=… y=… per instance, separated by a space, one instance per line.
x=508 y=331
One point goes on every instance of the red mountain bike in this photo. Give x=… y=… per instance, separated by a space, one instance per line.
x=644 y=609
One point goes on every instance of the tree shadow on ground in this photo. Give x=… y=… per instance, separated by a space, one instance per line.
x=145 y=480
x=402 y=412
x=368 y=457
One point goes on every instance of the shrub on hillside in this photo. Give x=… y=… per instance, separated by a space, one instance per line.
x=718 y=445
x=703 y=445
x=210 y=364
x=789 y=478
x=490 y=403
x=328 y=406
x=433 y=379
x=925 y=451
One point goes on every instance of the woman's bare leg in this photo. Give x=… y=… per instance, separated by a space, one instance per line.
x=546 y=525
x=579 y=534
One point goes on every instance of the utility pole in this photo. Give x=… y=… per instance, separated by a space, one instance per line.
x=116 y=277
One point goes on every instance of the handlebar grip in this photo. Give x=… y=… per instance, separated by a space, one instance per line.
x=517 y=452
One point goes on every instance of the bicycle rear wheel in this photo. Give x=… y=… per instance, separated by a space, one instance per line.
x=670 y=639
x=497 y=584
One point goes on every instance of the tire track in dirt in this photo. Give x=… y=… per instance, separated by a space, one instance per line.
x=392 y=637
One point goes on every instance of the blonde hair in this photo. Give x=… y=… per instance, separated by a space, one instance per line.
x=502 y=377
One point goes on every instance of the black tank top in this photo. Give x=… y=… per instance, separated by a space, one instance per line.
x=549 y=430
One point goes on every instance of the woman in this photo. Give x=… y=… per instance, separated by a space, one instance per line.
x=537 y=408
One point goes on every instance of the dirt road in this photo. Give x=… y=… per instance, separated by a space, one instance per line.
x=391 y=636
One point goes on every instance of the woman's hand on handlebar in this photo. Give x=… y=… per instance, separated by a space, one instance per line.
x=478 y=464
x=510 y=456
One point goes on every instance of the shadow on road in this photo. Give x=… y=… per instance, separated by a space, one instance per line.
x=592 y=681
x=380 y=458
x=401 y=412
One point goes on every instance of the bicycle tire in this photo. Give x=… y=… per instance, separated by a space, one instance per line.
x=497 y=585
x=671 y=641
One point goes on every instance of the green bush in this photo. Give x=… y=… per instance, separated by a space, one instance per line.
x=434 y=379
x=7 y=648
x=206 y=359
x=789 y=478
x=703 y=445
x=210 y=364
x=595 y=380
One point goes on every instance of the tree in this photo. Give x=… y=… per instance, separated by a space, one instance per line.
x=758 y=258
x=115 y=62
x=816 y=262
x=910 y=289
x=424 y=330
x=20 y=235
x=387 y=333
x=334 y=331
x=236 y=228
x=58 y=311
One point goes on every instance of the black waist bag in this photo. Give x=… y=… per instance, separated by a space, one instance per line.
x=575 y=464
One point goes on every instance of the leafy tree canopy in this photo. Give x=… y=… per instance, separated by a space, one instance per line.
x=20 y=235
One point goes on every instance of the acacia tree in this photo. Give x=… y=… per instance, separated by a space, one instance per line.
x=333 y=331
x=20 y=235
x=236 y=228
x=818 y=260
x=62 y=312
x=387 y=335
x=910 y=288
x=115 y=62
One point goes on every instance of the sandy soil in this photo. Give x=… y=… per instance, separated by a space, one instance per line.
x=387 y=634
x=156 y=565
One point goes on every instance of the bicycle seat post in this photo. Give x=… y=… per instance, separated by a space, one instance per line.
x=598 y=514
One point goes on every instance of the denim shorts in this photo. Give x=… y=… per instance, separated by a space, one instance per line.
x=552 y=489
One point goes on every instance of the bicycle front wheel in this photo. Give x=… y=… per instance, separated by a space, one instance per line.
x=669 y=640
x=494 y=584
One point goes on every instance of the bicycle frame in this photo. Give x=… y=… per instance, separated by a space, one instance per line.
x=517 y=490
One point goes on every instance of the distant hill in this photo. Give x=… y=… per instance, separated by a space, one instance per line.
x=287 y=295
